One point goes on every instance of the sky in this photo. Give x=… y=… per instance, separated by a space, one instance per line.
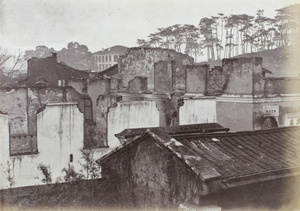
x=101 y=24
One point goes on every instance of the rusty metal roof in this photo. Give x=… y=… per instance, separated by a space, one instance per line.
x=235 y=159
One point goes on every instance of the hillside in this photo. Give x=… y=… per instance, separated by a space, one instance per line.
x=283 y=62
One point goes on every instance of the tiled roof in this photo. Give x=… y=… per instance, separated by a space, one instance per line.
x=245 y=153
x=232 y=158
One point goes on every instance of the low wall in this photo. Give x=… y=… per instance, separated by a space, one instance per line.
x=282 y=85
x=85 y=193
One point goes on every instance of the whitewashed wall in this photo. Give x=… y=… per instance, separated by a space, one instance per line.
x=59 y=134
x=131 y=115
x=197 y=111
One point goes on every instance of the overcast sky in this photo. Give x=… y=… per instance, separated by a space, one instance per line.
x=103 y=23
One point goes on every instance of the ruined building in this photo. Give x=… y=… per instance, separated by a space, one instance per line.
x=41 y=123
x=161 y=87
x=149 y=87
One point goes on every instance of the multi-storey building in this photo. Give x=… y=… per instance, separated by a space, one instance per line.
x=108 y=57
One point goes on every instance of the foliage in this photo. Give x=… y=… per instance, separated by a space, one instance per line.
x=9 y=175
x=287 y=22
x=45 y=170
x=77 y=56
x=233 y=34
x=70 y=174
x=40 y=51
x=9 y=64
x=89 y=165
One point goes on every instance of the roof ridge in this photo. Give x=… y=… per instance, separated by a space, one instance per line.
x=204 y=135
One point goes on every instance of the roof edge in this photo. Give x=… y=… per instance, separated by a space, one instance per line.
x=260 y=177
x=166 y=141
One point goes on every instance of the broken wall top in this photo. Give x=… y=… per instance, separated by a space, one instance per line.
x=141 y=61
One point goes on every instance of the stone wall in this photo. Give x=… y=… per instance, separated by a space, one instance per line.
x=215 y=81
x=104 y=102
x=138 y=85
x=13 y=101
x=141 y=61
x=242 y=76
x=92 y=87
x=163 y=77
x=179 y=75
x=196 y=78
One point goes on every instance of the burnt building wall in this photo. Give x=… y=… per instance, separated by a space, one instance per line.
x=179 y=76
x=215 y=81
x=14 y=103
x=163 y=77
x=39 y=97
x=141 y=61
x=91 y=88
x=49 y=71
x=196 y=78
x=137 y=111
x=138 y=85
x=242 y=76
x=22 y=105
x=103 y=103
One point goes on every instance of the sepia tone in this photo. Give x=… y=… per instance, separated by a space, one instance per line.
x=187 y=119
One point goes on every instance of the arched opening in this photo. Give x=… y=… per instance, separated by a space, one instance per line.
x=269 y=122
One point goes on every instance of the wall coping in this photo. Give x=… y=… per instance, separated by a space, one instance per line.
x=61 y=104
